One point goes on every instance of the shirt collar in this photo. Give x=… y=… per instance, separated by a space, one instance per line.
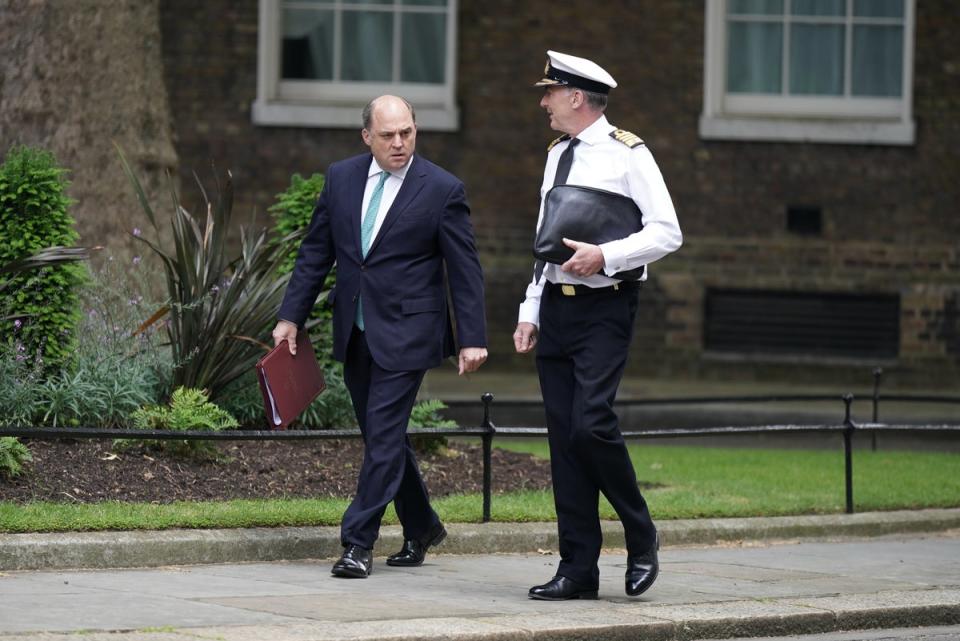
x=401 y=173
x=596 y=132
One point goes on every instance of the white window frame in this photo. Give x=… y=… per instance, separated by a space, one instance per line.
x=337 y=104
x=760 y=117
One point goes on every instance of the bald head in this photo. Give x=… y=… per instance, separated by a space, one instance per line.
x=386 y=102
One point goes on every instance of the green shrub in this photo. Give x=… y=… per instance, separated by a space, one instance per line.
x=189 y=409
x=292 y=212
x=293 y=209
x=427 y=414
x=33 y=216
x=13 y=454
x=19 y=394
x=220 y=305
x=113 y=372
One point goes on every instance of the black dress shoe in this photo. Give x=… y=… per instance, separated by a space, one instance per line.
x=415 y=550
x=355 y=563
x=642 y=570
x=560 y=588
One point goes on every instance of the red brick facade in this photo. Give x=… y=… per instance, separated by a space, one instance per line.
x=890 y=220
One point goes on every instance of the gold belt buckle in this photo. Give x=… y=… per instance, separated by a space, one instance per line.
x=568 y=290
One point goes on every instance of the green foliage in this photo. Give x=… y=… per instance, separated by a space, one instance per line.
x=189 y=409
x=13 y=454
x=293 y=209
x=113 y=374
x=292 y=212
x=333 y=408
x=218 y=304
x=43 y=258
x=426 y=414
x=33 y=216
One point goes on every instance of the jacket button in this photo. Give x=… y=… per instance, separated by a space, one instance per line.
x=363 y=268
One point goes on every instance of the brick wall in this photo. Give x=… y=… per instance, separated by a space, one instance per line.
x=890 y=219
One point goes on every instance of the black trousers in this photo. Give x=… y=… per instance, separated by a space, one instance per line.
x=383 y=401
x=581 y=355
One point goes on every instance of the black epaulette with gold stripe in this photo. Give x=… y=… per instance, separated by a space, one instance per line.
x=558 y=141
x=629 y=139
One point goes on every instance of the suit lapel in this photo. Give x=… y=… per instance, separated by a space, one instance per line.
x=412 y=184
x=355 y=188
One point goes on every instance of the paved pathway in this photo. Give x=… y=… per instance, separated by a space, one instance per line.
x=754 y=589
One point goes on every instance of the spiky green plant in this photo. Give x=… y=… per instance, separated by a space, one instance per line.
x=220 y=306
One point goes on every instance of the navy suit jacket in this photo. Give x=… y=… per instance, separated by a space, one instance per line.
x=405 y=313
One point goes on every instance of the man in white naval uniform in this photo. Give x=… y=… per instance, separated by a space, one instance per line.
x=579 y=316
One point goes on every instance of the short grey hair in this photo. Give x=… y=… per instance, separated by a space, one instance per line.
x=367 y=113
x=596 y=100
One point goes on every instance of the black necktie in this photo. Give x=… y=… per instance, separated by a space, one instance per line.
x=563 y=167
x=559 y=178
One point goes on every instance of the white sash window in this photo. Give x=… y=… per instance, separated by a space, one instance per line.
x=320 y=61
x=817 y=70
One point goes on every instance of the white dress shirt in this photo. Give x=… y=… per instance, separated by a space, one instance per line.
x=603 y=162
x=390 y=190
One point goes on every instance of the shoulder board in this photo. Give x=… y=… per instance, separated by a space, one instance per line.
x=629 y=139
x=557 y=141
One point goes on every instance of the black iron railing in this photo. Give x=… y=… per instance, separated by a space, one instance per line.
x=487 y=430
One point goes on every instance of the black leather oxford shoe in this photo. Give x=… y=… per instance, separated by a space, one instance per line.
x=414 y=551
x=560 y=588
x=642 y=570
x=355 y=563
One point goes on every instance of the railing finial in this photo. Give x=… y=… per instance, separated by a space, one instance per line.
x=487 y=399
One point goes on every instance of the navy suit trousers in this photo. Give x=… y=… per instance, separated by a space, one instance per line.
x=383 y=401
x=582 y=351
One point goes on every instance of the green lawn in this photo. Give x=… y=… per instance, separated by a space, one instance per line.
x=681 y=482
x=691 y=482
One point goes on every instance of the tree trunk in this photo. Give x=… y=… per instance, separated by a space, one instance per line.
x=77 y=76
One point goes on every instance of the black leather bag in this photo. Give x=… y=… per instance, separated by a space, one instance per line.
x=588 y=215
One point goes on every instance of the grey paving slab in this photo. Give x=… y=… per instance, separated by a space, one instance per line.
x=703 y=592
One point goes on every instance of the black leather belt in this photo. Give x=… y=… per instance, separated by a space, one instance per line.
x=586 y=290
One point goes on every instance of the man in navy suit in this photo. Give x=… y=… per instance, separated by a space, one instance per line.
x=391 y=221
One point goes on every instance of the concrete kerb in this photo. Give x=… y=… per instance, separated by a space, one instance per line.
x=186 y=547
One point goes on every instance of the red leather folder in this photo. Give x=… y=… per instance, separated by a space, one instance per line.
x=289 y=383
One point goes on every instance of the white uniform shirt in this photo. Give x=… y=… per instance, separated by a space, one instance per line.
x=603 y=162
x=390 y=190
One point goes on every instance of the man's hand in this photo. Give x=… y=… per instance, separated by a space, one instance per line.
x=286 y=331
x=471 y=358
x=525 y=337
x=587 y=259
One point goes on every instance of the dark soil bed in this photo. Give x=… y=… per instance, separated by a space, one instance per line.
x=90 y=471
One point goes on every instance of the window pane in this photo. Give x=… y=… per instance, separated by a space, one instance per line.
x=431 y=3
x=348 y=3
x=816 y=59
x=307 y=51
x=764 y=7
x=878 y=8
x=367 y=46
x=423 y=45
x=754 y=57
x=877 y=61
x=819 y=7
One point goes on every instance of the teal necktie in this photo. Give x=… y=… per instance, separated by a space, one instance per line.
x=366 y=232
